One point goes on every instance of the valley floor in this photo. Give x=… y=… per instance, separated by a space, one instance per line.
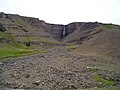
x=58 y=69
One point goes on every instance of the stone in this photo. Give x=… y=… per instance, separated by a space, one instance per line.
x=1 y=63
x=37 y=82
x=27 y=75
x=2 y=15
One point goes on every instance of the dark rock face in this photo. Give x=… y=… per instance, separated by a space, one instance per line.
x=2 y=29
x=5 y=27
x=2 y=40
x=89 y=25
x=61 y=31
x=72 y=27
x=34 y=22
x=2 y=14
x=56 y=31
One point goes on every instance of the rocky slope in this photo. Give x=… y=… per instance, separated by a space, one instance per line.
x=58 y=70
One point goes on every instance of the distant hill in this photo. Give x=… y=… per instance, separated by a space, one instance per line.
x=96 y=39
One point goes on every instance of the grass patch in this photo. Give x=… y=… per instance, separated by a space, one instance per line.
x=41 y=39
x=108 y=88
x=93 y=69
x=16 y=49
x=16 y=52
x=71 y=47
x=103 y=81
x=110 y=26
x=4 y=53
x=22 y=23
x=13 y=42
x=27 y=39
x=18 y=45
x=48 y=41
x=6 y=36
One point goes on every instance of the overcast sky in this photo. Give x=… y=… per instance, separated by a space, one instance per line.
x=65 y=11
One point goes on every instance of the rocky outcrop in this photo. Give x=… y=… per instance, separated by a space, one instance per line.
x=56 y=31
x=2 y=28
x=3 y=40
x=89 y=25
x=2 y=14
x=72 y=27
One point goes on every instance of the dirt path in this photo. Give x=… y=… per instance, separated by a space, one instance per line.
x=55 y=70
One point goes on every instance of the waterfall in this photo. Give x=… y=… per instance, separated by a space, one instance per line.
x=64 y=32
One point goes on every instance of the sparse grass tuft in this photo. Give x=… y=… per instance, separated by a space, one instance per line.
x=71 y=47
x=108 y=88
x=93 y=69
x=27 y=39
x=18 y=45
x=102 y=80
x=16 y=52
x=22 y=23
x=41 y=39
x=6 y=36
x=110 y=26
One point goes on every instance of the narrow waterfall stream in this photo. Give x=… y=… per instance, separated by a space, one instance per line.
x=64 y=32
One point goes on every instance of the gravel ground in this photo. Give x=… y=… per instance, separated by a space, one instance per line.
x=55 y=70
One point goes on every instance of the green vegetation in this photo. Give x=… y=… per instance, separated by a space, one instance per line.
x=4 y=53
x=11 y=38
x=27 y=39
x=108 y=88
x=102 y=80
x=22 y=23
x=41 y=39
x=6 y=36
x=18 y=45
x=11 y=51
x=48 y=41
x=15 y=49
x=110 y=26
x=71 y=47
x=93 y=69
x=5 y=21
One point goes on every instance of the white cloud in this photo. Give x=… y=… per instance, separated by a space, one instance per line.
x=65 y=11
